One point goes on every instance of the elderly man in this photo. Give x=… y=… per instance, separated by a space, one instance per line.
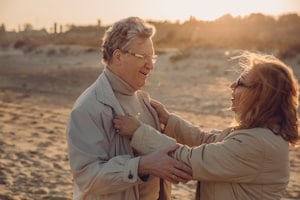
x=103 y=164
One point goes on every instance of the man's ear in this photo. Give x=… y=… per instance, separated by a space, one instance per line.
x=117 y=54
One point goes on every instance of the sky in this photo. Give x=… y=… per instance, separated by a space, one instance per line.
x=14 y=14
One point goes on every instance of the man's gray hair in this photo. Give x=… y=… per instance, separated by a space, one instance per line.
x=121 y=34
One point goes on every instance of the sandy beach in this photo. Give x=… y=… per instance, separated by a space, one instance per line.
x=38 y=89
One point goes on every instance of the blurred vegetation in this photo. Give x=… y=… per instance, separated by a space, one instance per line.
x=255 y=31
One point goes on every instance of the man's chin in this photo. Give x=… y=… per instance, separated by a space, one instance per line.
x=141 y=85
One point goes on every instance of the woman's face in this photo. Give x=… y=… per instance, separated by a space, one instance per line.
x=238 y=87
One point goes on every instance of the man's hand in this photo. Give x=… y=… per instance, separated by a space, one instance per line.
x=160 y=164
x=125 y=125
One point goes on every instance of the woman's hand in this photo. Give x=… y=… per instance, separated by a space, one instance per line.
x=125 y=125
x=161 y=110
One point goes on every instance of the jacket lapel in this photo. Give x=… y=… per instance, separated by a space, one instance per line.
x=146 y=100
x=106 y=96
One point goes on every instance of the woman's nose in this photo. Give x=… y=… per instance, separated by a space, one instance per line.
x=233 y=85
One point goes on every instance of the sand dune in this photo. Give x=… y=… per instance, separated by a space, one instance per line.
x=37 y=90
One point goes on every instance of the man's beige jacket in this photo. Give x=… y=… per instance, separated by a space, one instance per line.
x=102 y=162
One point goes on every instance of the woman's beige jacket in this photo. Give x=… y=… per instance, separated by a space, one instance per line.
x=244 y=164
x=102 y=162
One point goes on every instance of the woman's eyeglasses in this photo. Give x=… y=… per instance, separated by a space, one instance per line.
x=147 y=58
x=241 y=84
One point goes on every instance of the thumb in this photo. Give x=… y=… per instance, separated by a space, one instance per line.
x=154 y=103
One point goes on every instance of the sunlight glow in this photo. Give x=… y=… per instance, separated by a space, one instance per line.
x=14 y=13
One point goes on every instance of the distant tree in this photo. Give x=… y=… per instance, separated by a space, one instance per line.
x=289 y=19
x=192 y=19
x=55 y=27
x=255 y=31
x=2 y=28
x=44 y=30
x=289 y=29
x=225 y=18
x=28 y=27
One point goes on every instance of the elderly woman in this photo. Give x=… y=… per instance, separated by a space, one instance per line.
x=247 y=161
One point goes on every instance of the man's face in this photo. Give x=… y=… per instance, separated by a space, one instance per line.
x=135 y=68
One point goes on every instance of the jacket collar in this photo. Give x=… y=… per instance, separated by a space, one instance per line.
x=117 y=84
x=105 y=94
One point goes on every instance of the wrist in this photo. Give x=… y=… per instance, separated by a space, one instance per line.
x=142 y=168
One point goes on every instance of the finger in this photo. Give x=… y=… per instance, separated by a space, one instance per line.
x=179 y=179
x=115 y=120
x=176 y=179
x=172 y=178
x=117 y=116
x=117 y=126
x=170 y=149
x=154 y=103
x=183 y=175
x=183 y=168
x=117 y=123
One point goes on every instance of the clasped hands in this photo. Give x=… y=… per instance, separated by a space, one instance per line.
x=127 y=125
x=157 y=163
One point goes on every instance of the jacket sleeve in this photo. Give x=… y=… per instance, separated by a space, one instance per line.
x=239 y=158
x=94 y=170
x=188 y=134
x=146 y=139
x=236 y=159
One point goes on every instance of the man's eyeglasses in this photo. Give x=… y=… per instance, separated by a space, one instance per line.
x=153 y=58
